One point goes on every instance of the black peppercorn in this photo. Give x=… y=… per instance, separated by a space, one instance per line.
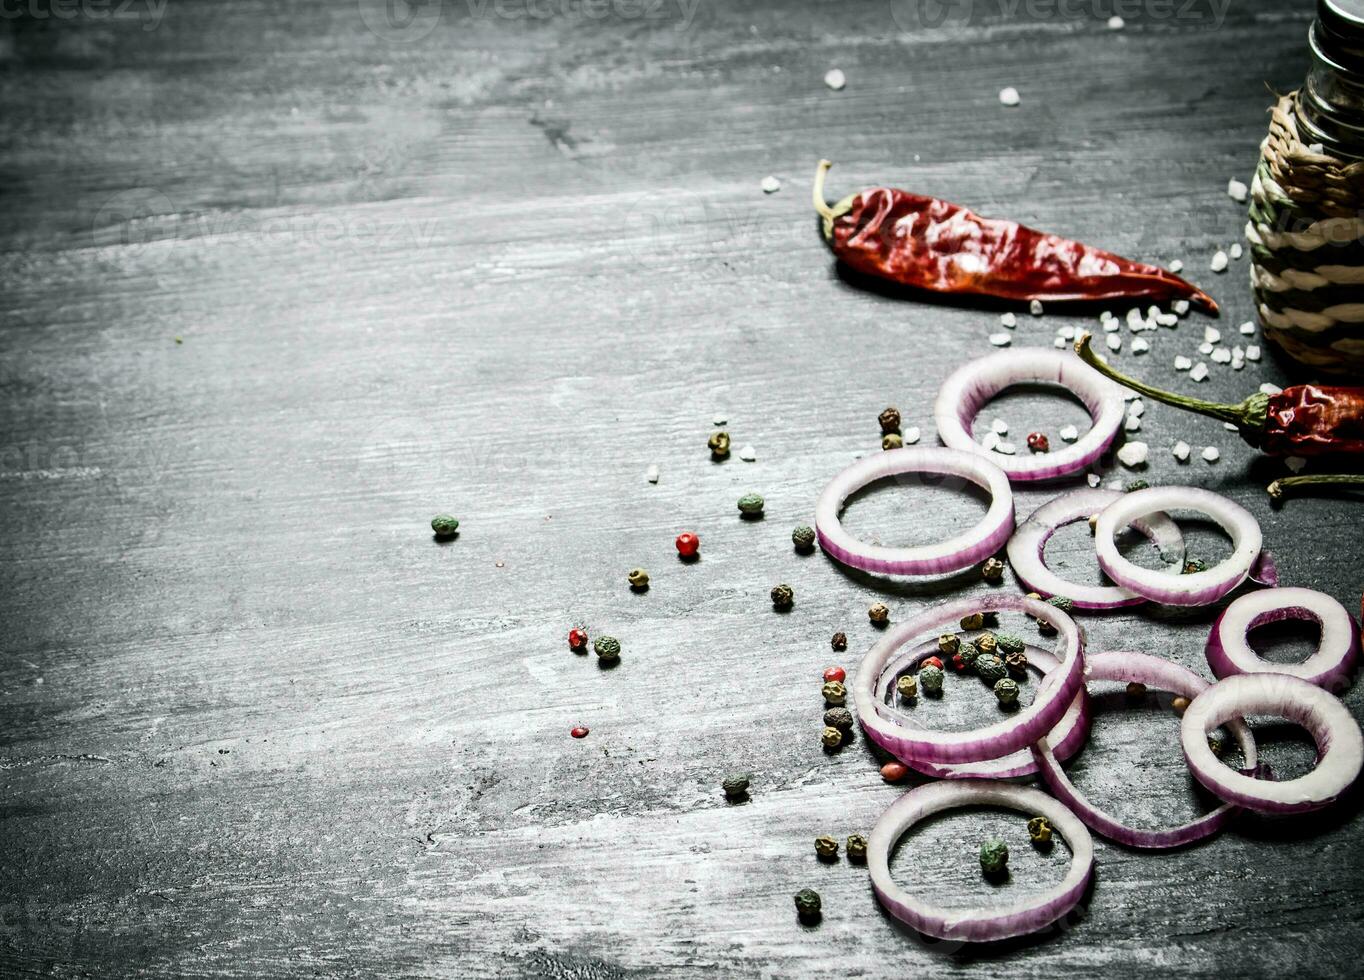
x=782 y=596
x=890 y=420
x=840 y=718
x=839 y=641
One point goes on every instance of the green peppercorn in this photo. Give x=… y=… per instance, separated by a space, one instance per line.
x=1136 y=485
x=831 y=737
x=986 y=643
x=968 y=655
x=840 y=718
x=782 y=596
x=735 y=786
x=974 y=621
x=930 y=678
x=907 y=686
x=857 y=848
x=1136 y=689
x=892 y=440
x=949 y=643
x=1039 y=830
x=1194 y=566
x=990 y=667
x=994 y=856
x=1006 y=690
x=808 y=905
x=1061 y=603
x=878 y=613
x=607 y=647
x=992 y=570
x=826 y=848
x=719 y=444
x=751 y=505
x=839 y=641
x=1017 y=665
x=638 y=579
x=890 y=420
x=834 y=692
x=444 y=525
x=1010 y=643
x=803 y=538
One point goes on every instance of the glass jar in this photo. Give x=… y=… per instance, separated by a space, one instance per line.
x=1330 y=104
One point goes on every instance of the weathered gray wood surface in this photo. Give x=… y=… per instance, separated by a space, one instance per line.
x=256 y=722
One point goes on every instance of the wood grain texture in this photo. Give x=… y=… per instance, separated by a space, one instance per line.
x=257 y=723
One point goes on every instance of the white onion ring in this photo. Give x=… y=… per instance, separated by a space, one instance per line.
x=1069 y=734
x=1340 y=745
x=952 y=555
x=981 y=924
x=1196 y=588
x=1167 y=676
x=1028 y=545
x=968 y=388
x=1026 y=726
x=1229 y=652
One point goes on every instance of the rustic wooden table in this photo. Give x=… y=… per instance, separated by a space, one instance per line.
x=282 y=281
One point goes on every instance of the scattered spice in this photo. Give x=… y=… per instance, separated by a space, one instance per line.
x=893 y=772
x=974 y=621
x=834 y=674
x=719 y=444
x=931 y=679
x=1039 y=831
x=990 y=667
x=1061 y=603
x=826 y=848
x=803 y=538
x=688 y=544
x=782 y=596
x=992 y=570
x=986 y=643
x=890 y=420
x=878 y=613
x=839 y=641
x=1017 y=665
x=1179 y=704
x=959 y=663
x=1217 y=745
x=607 y=647
x=1136 y=689
x=907 y=686
x=579 y=732
x=834 y=692
x=857 y=848
x=1195 y=565
x=444 y=525
x=1010 y=643
x=1038 y=442
x=807 y=901
x=1136 y=485
x=892 y=440
x=949 y=643
x=831 y=737
x=577 y=640
x=735 y=786
x=1006 y=690
x=994 y=856
x=931 y=662
x=751 y=505
x=840 y=718
x=638 y=579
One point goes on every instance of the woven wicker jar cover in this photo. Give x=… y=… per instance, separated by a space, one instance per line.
x=1306 y=233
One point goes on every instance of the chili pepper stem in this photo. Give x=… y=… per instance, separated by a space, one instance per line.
x=829 y=214
x=1280 y=488
x=1248 y=416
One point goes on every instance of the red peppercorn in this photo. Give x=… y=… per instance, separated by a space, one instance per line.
x=958 y=662
x=687 y=544
x=579 y=732
x=1038 y=442
x=932 y=662
x=835 y=674
x=577 y=639
x=893 y=772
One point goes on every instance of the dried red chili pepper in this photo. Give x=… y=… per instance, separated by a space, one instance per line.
x=1304 y=420
x=936 y=245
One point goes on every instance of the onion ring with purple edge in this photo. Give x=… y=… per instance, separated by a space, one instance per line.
x=968 y=388
x=980 y=924
x=1156 y=672
x=952 y=555
x=1229 y=651
x=1027 y=548
x=1197 y=588
x=1054 y=694
x=1340 y=745
x=1070 y=732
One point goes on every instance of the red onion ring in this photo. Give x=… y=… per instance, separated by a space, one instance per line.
x=1340 y=745
x=981 y=924
x=1167 y=676
x=952 y=555
x=885 y=727
x=1069 y=734
x=968 y=388
x=1028 y=546
x=1197 y=588
x=1229 y=652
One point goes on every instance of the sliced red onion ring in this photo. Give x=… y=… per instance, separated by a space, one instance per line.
x=1028 y=546
x=1069 y=734
x=886 y=728
x=952 y=555
x=968 y=388
x=1265 y=570
x=1167 y=676
x=1229 y=652
x=979 y=924
x=1340 y=745
x=1194 y=589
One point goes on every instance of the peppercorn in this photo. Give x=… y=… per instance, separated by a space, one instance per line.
x=1038 y=442
x=959 y=663
x=834 y=692
x=839 y=642
x=986 y=643
x=688 y=545
x=974 y=621
x=581 y=731
x=808 y=905
x=1034 y=595
x=1136 y=485
x=840 y=718
x=1061 y=603
x=1039 y=829
x=968 y=655
x=607 y=647
x=878 y=613
x=1006 y=690
x=907 y=686
x=719 y=444
x=782 y=596
x=1195 y=565
x=990 y=667
x=994 y=856
x=1217 y=745
x=803 y=538
x=1136 y=689
x=751 y=505
x=835 y=673
x=992 y=570
x=577 y=640
x=892 y=441
x=444 y=525
x=1017 y=665
x=931 y=679
x=949 y=643
x=893 y=772
x=735 y=786
x=1010 y=643
x=1179 y=704
x=826 y=848
x=857 y=848
x=831 y=737
x=931 y=662
x=638 y=579
x=890 y=420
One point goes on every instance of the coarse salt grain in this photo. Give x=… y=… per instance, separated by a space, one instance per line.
x=1270 y=389
x=1205 y=348
x=1219 y=261
x=1035 y=307
x=1008 y=320
x=1211 y=454
x=1236 y=251
x=1001 y=339
x=748 y=454
x=1221 y=355
x=1229 y=426
x=1180 y=451
x=1182 y=363
x=1058 y=343
x=1212 y=335
x=1133 y=317
x=651 y=474
x=1133 y=454
x=1247 y=329
x=1168 y=320
x=1140 y=346
x=1137 y=408
x=1199 y=372
x=1069 y=433
x=771 y=185
x=1253 y=352
x=1294 y=463
x=1066 y=333
x=990 y=441
x=1007 y=448
x=1113 y=325
x=911 y=435
x=1178 y=266
x=1132 y=423
x=1116 y=23
x=835 y=79
x=1000 y=426
x=1237 y=190
x=1092 y=479
x=1009 y=96
x=1113 y=341
x=720 y=420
